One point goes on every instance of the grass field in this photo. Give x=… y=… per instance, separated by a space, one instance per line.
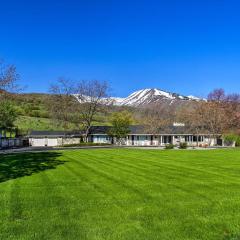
x=120 y=194
x=26 y=124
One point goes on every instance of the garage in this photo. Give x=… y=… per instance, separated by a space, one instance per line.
x=38 y=142
x=53 y=138
x=52 y=142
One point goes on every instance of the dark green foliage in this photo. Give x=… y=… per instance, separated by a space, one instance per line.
x=238 y=142
x=169 y=146
x=231 y=138
x=7 y=114
x=183 y=145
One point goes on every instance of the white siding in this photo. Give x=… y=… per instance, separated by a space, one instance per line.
x=52 y=142
x=38 y=142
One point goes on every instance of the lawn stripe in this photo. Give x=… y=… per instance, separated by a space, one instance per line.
x=115 y=180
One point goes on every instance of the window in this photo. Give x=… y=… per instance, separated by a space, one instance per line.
x=166 y=139
x=197 y=138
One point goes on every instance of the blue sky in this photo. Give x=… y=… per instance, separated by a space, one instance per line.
x=189 y=47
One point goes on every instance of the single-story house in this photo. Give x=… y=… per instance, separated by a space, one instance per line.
x=136 y=137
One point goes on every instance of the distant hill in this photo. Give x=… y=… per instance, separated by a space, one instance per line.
x=33 y=113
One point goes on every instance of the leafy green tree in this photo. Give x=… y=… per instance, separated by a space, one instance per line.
x=120 y=125
x=232 y=139
x=8 y=115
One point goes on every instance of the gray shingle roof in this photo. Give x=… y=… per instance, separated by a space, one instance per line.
x=165 y=130
x=99 y=129
x=136 y=129
x=55 y=133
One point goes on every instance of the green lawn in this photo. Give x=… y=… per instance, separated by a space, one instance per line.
x=120 y=194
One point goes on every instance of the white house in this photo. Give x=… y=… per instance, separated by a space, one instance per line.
x=137 y=137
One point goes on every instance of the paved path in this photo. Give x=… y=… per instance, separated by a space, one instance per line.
x=44 y=149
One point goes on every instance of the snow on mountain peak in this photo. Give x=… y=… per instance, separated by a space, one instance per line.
x=150 y=95
x=194 y=98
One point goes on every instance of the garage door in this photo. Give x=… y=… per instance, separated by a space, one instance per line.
x=38 y=142
x=52 y=142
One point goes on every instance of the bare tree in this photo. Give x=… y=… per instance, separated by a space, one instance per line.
x=232 y=111
x=218 y=115
x=217 y=95
x=157 y=116
x=93 y=96
x=8 y=78
x=219 y=112
x=61 y=102
x=193 y=116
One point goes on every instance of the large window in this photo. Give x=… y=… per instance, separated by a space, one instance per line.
x=167 y=139
x=197 y=138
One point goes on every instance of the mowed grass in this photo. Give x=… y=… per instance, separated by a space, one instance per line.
x=120 y=194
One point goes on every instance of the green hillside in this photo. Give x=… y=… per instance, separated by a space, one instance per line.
x=33 y=113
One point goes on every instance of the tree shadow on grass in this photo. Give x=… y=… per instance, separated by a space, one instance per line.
x=14 y=166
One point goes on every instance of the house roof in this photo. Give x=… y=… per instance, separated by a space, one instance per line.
x=99 y=129
x=134 y=130
x=171 y=130
x=55 y=134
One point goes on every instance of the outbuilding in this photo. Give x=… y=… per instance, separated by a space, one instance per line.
x=53 y=138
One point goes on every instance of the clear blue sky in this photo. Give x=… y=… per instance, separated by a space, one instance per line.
x=190 y=47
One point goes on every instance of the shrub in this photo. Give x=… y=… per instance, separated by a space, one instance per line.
x=238 y=141
x=169 y=146
x=183 y=145
x=231 y=138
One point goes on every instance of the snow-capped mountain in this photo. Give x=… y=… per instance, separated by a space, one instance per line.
x=143 y=97
x=151 y=95
x=191 y=97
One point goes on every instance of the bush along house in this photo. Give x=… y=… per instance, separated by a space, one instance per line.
x=137 y=136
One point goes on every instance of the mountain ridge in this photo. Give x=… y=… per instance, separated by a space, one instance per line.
x=151 y=95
